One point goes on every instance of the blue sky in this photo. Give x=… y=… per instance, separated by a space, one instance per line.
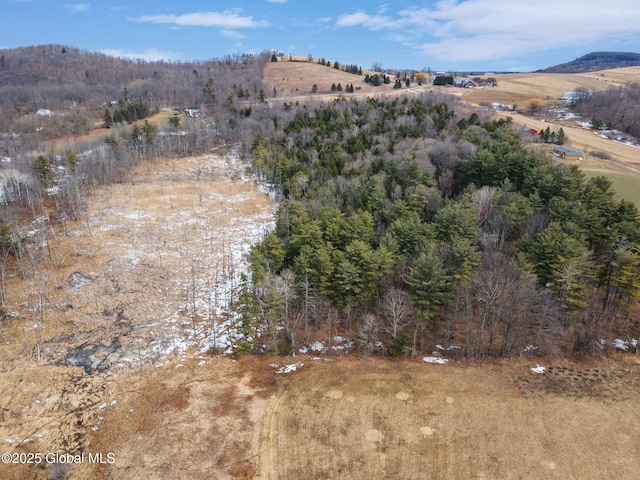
x=463 y=35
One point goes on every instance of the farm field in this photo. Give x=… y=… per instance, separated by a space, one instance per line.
x=355 y=418
x=517 y=88
x=625 y=158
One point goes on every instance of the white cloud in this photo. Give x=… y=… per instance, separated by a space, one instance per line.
x=277 y=1
x=482 y=30
x=150 y=54
x=233 y=34
x=372 y=22
x=78 y=7
x=227 y=19
x=464 y=30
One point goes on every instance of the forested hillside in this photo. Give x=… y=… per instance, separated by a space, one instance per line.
x=78 y=86
x=596 y=61
x=415 y=221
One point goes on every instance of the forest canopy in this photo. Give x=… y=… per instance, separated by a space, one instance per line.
x=400 y=223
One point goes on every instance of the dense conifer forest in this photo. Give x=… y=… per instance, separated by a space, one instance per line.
x=414 y=221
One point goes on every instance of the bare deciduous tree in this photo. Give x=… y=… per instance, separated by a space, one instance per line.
x=397 y=310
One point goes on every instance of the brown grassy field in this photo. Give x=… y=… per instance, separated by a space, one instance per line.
x=365 y=418
x=351 y=418
x=297 y=79
x=625 y=158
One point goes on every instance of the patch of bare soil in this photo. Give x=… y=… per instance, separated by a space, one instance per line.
x=369 y=418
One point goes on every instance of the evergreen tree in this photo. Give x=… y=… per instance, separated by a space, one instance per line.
x=553 y=250
x=42 y=168
x=72 y=161
x=247 y=308
x=561 y=137
x=429 y=284
x=149 y=131
x=209 y=90
x=107 y=121
x=136 y=134
x=175 y=122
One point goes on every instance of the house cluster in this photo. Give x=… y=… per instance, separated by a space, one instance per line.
x=567 y=154
x=464 y=83
x=475 y=82
x=559 y=151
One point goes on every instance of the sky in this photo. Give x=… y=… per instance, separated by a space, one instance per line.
x=445 y=35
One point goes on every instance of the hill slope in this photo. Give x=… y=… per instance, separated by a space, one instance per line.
x=596 y=61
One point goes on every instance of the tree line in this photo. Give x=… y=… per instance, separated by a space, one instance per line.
x=617 y=108
x=402 y=226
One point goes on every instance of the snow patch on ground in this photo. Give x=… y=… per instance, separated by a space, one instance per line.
x=539 y=369
x=438 y=360
x=287 y=368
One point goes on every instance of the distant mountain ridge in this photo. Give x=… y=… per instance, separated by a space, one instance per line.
x=596 y=61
